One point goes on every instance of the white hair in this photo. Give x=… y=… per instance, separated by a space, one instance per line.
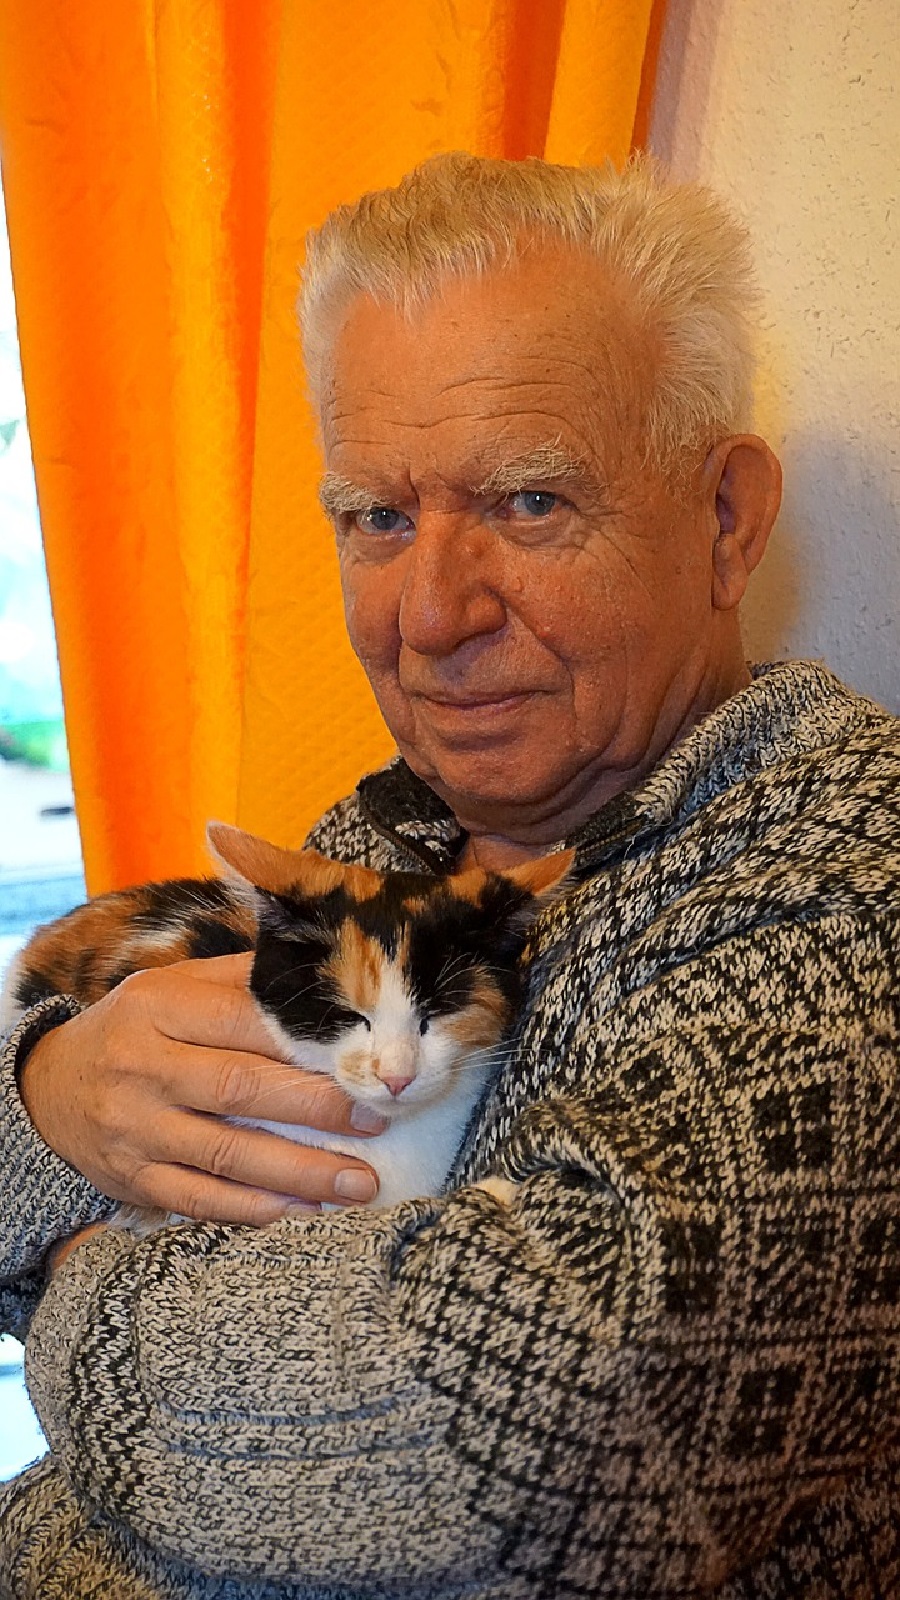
x=680 y=255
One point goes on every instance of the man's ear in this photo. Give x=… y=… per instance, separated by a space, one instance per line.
x=742 y=485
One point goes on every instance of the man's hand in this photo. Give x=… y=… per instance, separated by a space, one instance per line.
x=133 y=1093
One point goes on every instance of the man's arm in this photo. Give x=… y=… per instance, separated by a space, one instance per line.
x=686 y=1320
x=42 y=1198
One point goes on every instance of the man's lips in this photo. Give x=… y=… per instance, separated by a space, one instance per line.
x=474 y=716
x=471 y=698
x=473 y=702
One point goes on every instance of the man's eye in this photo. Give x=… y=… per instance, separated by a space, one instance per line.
x=529 y=504
x=382 y=519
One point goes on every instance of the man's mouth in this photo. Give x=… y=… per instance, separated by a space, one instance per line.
x=474 y=701
x=474 y=715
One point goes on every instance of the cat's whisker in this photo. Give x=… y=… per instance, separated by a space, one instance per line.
x=281 y=976
x=270 y=1095
x=495 y=1055
x=327 y=1013
x=451 y=968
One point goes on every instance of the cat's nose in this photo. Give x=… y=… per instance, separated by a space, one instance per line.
x=396 y=1082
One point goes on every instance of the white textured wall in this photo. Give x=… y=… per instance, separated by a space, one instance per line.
x=791 y=108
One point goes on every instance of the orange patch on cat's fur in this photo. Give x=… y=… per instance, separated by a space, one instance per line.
x=543 y=873
x=358 y=966
x=483 y=1020
x=356 y=1067
x=282 y=871
x=59 y=951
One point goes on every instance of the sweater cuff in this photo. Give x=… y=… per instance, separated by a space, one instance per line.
x=42 y=1198
x=35 y=1023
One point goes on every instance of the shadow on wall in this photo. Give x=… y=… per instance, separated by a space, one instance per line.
x=700 y=22
x=829 y=585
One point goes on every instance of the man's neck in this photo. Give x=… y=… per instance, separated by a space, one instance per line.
x=493 y=853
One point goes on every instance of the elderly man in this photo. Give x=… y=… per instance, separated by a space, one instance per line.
x=667 y=1362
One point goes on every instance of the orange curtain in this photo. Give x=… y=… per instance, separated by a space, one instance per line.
x=162 y=161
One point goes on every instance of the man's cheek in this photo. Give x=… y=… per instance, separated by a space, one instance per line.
x=359 y=612
x=375 y=642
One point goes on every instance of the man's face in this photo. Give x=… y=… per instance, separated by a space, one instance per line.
x=531 y=607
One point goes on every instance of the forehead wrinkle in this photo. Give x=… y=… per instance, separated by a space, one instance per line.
x=586 y=357
x=558 y=439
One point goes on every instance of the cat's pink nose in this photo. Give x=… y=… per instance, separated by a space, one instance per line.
x=396 y=1081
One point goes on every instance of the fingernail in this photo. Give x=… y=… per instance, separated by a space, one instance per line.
x=366 y=1120
x=354 y=1184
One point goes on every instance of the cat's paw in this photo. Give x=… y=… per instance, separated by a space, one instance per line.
x=502 y=1189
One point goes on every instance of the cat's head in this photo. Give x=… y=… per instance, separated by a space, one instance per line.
x=391 y=982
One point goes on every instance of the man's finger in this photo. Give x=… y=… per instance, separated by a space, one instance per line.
x=188 y=1005
x=232 y=1083
x=259 y=1160
x=208 y=1199
x=234 y=969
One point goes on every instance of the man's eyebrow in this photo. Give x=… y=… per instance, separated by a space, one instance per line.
x=339 y=496
x=544 y=464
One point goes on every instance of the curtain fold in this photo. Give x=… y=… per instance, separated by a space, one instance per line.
x=162 y=162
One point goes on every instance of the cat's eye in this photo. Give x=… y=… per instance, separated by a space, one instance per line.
x=423 y=1025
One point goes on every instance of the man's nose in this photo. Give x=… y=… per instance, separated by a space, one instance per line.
x=447 y=595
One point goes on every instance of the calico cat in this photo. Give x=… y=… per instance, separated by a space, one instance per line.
x=400 y=986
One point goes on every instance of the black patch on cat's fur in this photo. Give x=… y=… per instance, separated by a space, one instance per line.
x=452 y=940
x=120 y=974
x=208 y=937
x=288 y=977
x=381 y=918
x=165 y=903
x=85 y=971
x=34 y=986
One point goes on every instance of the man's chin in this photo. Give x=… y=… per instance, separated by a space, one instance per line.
x=483 y=786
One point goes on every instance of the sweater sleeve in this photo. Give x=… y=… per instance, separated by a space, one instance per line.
x=42 y=1198
x=685 y=1323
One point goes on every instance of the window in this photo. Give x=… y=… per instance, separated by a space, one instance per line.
x=40 y=855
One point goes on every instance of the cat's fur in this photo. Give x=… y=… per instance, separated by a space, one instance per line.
x=400 y=986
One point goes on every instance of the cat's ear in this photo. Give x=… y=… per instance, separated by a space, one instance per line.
x=267 y=878
x=279 y=871
x=540 y=881
x=252 y=860
x=508 y=901
x=546 y=878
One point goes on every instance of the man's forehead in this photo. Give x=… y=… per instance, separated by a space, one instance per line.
x=503 y=368
x=555 y=316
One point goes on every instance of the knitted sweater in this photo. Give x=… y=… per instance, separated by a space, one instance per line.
x=670 y=1367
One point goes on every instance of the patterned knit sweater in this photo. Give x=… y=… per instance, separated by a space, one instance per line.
x=671 y=1367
